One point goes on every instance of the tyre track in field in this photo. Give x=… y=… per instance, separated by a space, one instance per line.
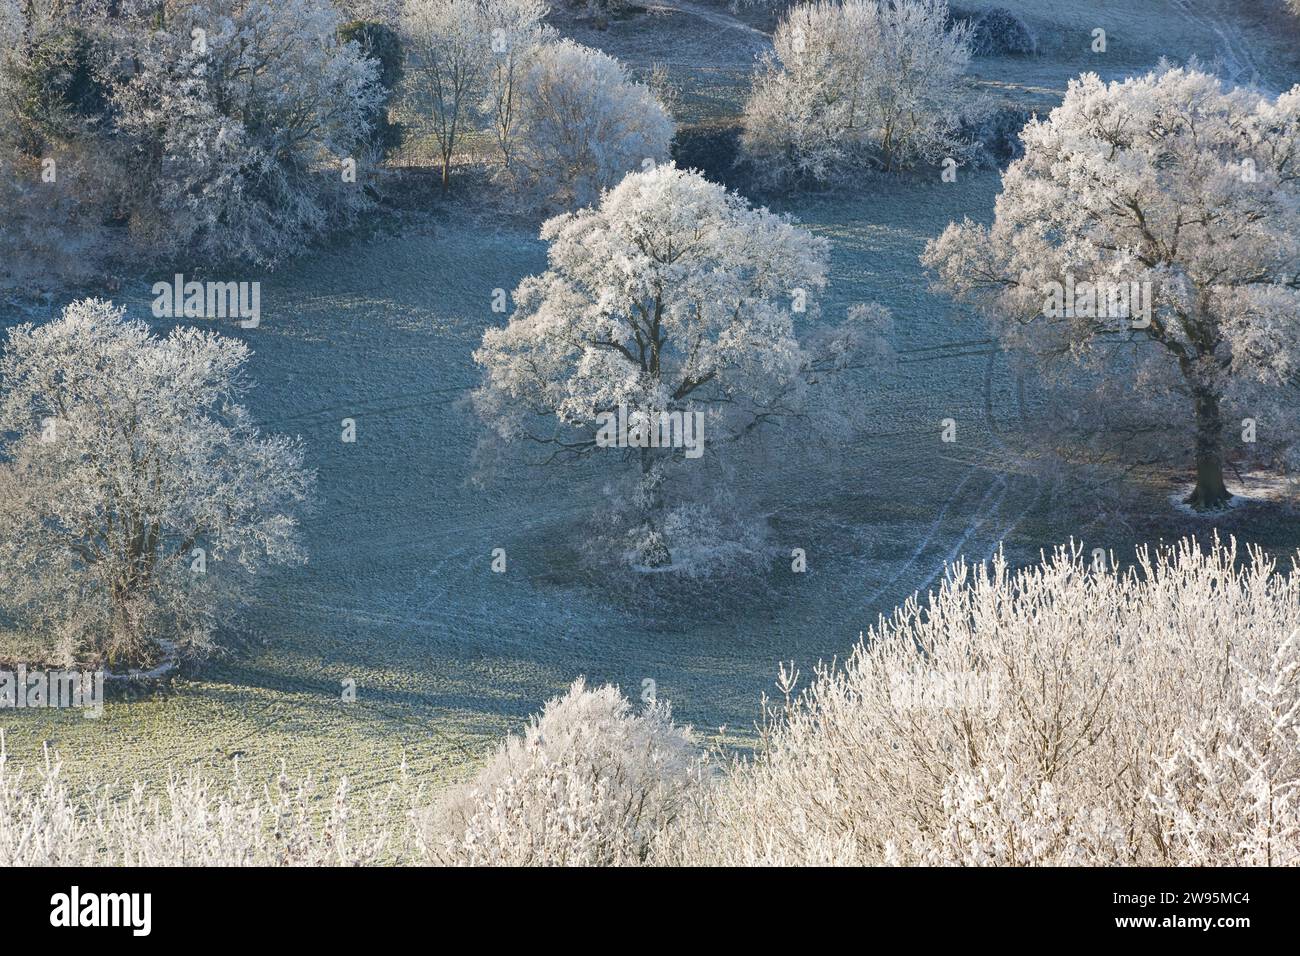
x=1234 y=47
x=990 y=505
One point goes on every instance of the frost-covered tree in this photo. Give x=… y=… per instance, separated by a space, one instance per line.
x=516 y=33
x=583 y=124
x=135 y=490
x=672 y=301
x=855 y=83
x=589 y=783
x=448 y=56
x=244 y=115
x=52 y=58
x=382 y=44
x=1167 y=191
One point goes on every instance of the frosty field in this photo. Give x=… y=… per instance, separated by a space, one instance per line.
x=399 y=595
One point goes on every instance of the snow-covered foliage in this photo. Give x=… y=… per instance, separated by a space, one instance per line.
x=136 y=494
x=589 y=783
x=857 y=83
x=672 y=296
x=225 y=129
x=243 y=114
x=1062 y=714
x=1174 y=187
x=583 y=124
x=193 y=822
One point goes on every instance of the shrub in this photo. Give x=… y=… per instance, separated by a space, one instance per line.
x=193 y=822
x=588 y=783
x=855 y=84
x=1063 y=714
x=999 y=32
x=583 y=124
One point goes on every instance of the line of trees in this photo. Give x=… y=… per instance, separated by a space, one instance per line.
x=244 y=130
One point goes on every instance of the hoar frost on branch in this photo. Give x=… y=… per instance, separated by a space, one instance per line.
x=673 y=296
x=136 y=494
x=1171 y=183
x=855 y=84
x=1058 y=715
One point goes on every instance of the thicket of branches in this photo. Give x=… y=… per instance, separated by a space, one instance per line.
x=858 y=84
x=217 y=128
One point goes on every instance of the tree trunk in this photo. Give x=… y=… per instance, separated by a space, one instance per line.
x=655 y=553
x=1210 y=491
